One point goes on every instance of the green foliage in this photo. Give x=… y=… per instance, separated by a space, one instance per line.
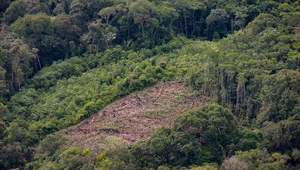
x=50 y=35
x=249 y=139
x=32 y=24
x=71 y=158
x=116 y=159
x=12 y=155
x=15 y=63
x=167 y=147
x=213 y=126
x=206 y=166
x=49 y=145
x=280 y=96
x=217 y=21
x=15 y=10
x=95 y=26
x=194 y=139
x=281 y=136
x=150 y=17
x=261 y=159
x=122 y=47
x=69 y=91
x=49 y=76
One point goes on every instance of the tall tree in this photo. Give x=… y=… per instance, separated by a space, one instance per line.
x=217 y=22
x=188 y=10
x=16 y=60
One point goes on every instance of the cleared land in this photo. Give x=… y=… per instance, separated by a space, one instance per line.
x=134 y=117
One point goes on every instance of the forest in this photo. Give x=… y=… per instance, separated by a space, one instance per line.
x=62 y=61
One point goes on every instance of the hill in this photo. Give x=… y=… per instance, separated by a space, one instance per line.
x=150 y=84
x=136 y=116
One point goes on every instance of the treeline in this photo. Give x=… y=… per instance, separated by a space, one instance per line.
x=55 y=30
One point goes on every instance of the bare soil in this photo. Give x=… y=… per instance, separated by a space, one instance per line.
x=136 y=116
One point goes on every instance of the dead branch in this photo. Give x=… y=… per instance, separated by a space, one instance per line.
x=158 y=94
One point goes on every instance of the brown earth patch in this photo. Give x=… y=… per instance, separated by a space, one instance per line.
x=136 y=116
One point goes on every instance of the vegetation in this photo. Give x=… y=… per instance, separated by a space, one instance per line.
x=62 y=61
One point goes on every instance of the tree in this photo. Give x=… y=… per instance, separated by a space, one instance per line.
x=67 y=34
x=65 y=29
x=17 y=58
x=280 y=96
x=14 y=11
x=188 y=11
x=98 y=35
x=116 y=159
x=233 y=163
x=3 y=5
x=262 y=22
x=213 y=126
x=241 y=15
x=143 y=12
x=32 y=25
x=217 y=21
x=261 y=159
x=3 y=112
x=107 y=13
x=281 y=136
x=11 y=156
x=160 y=145
x=50 y=36
x=155 y=20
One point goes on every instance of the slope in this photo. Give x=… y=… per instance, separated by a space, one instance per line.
x=136 y=116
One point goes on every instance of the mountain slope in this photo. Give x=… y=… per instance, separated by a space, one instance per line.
x=136 y=116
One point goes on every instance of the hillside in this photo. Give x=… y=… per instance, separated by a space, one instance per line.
x=136 y=116
x=150 y=84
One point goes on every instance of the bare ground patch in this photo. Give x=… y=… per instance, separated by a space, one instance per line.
x=136 y=116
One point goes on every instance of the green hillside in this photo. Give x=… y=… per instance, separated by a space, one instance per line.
x=62 y=62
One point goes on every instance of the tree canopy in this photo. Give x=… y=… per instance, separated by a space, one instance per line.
x=63 y=61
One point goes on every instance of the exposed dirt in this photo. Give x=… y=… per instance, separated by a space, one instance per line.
x=136 y=116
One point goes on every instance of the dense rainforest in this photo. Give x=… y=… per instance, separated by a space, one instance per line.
x=61 y=61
